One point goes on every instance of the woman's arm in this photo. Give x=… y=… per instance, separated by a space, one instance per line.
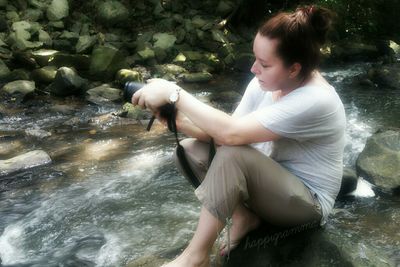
x=223 y=128
x=186 y=126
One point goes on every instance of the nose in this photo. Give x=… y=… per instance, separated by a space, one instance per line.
x=254 y=69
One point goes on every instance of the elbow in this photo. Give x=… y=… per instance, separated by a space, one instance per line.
x=228 y=138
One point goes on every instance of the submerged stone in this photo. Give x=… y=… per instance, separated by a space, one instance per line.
x=24 y=161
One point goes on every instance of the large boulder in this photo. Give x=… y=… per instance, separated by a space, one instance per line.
x=57 y=10
x=112 y=12
x=105 y=62
x=379 y=162
x=67 y=82
x=24 y=161
x=21 y=87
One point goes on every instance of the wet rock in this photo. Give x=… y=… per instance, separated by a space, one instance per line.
x=103 y=94
x=349 y=182
x=85 y=43
x=379 y=162
x=37 y=133
x=169 y=69
x=105 y=62
x=4 y=70
x=352 y=50
x=57 y=10
x=19 y=38
x=112 y=12
x=79 y=62
x=67 y=82
x=164 y=41
x=386 y=75
x=43 y=56
x=21 y=87
x=44 y=75
x=146 y=53
x=24 y=161
x=45 y=38
x=200 y=77
x=133 y=112
x=17 y=74
x=126 y=75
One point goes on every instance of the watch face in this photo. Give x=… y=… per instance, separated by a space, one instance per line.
x=173 y=97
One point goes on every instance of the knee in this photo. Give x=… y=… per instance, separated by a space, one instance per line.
x=188 y=144
x=230 y=151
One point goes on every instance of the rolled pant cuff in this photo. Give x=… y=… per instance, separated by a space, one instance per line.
x=211 y=207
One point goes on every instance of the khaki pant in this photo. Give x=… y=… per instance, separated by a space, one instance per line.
x=242 y=174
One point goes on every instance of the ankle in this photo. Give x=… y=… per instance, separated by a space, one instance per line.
x=196 y=257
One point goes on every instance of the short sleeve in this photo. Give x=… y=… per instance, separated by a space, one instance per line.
x=248 y=100
x=299 y=115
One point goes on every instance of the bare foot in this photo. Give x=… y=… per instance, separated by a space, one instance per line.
x=240 y=227
x=188 y=259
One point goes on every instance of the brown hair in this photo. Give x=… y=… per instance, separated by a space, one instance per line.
x=301 y=35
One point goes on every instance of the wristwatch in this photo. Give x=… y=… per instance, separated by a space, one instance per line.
x=174 y=96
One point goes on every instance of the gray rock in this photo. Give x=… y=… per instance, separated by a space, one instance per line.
x=67 y=82
x=45 y=75
x=7 y=148
x=56 y=24
x=32 y=14
x=146 y=53
x=3 y=3
x=386 y=75
x=77 y=61
x=45 y=38
x=225 y=7
x=199 y=77
x=12 y=16
x=4 y=70
x=164 y=41
x=379 y=162
x=21 y=34
x=351 y=50
x=105 y=62
x=171 y=69
x=37 y=133
x=134 y=112
x=43 y=56
x=112 y=12
x=125 y=75
x=58 y=10
x=103 y=94
x=85 y=42
x=24 y=161
x=21 y=87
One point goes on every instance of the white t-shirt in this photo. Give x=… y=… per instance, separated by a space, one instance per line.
x=312 y=121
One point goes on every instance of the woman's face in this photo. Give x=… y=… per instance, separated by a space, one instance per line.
x=268 y=67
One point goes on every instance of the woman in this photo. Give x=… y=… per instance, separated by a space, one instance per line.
x=279 y=155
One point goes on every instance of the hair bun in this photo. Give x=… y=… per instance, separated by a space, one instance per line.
x=321 y=20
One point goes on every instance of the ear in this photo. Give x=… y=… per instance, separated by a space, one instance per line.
x=294 y=70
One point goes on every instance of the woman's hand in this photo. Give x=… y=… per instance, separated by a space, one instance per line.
x=154 y=94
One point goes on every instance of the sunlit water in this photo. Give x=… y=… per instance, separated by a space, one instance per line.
x=113 y=194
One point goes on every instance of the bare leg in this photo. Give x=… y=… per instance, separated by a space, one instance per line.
x=243 y=221
x=197 y=253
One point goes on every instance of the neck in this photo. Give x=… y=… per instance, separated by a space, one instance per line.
x=296 y=84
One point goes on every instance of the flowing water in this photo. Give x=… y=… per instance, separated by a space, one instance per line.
x=112 y=193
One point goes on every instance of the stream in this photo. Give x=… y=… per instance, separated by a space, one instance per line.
x=112 y=193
